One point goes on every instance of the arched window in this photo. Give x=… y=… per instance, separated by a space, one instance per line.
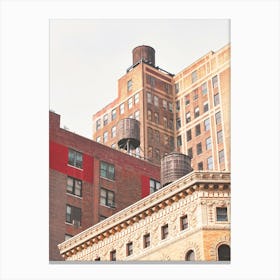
x=224 y=253
x=190 y=256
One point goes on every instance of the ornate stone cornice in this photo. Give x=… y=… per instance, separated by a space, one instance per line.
x=187 y=185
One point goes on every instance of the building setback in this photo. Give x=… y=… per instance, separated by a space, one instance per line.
x=188 y=219
x=90 y=182
x=188 y=112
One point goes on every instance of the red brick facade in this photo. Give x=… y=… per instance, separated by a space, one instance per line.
x=131 y=182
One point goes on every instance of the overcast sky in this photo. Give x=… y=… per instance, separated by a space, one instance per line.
x=87 y=57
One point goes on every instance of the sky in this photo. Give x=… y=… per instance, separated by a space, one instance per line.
x=87 y=57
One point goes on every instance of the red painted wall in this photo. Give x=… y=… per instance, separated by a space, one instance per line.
x=145 y=181
x=59 y=162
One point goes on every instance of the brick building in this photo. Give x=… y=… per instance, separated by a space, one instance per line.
x=188 y=112
x=90 y=182
x=188 y=220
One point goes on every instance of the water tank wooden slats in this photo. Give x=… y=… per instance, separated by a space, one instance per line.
x=145 y=53
x=173 y=167
x=128 y=133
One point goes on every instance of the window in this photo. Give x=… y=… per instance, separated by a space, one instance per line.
x=221 y=156
x=178 y=105
x=121 y=108
x=67 y=236
x=177 y=88
x=216 y=99
x=149 y=98
x=196 y=112
x=165 y=139
x=190 y=152
x=205 y=106
x=149 y=115
x=208 y=143
x=200 y=166
x=157 y=154
x=207 y=124
x=224 y=253
x=107 y=170
x=74 y=186
x=129 y=85
x=105 y=136
x=218 y=117
x=113 y=114
x=98 y=139
x=146 y=240
x=151 y=80
x=179 y=141
x=113 y=132
x=156 y=118
x=197 y=130
x=187 y=100
x=178 y=123
x=150 y=134
x=75 y=158
x=107 y=198
x=98 y=124
x=154 y=185
x=113 y=255
x=136 y=98
x=114 y=146
x=130 y=103
x=210 y=163
x=165 y=122
x=194 y=76
x=166 y=87
x=195 y=94
x=171 y=142
x=188 y=117
x=164 y=104
x=97 y=259
x=198 y=148
x=150 y=152
x=204 y=88
x=164 y=231
x=157 y=136
x=215 y=81
x=102 y=218
x=105 y=119
x=156 y=101
x=171 y=123
x=184 y=222
x=170 y=106
x=220 y=136
x=190 y=256
x=221 y=214
x=129 y=248
x=189 y=135
x=73 y=215
x=137 y=115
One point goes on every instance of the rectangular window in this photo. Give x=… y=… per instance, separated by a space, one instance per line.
x=146 y=240
x=208 y=143
x=113 y=255
x=154 y=185
x=164 y=104
x=187 y=100
x=177 y=88
x=198 y=148
x=137 y=115
x=113 y=114
x=165 y=122
x=113 y=131
x=129 y=85
x=197 y=130
x=170 y=106
x=75 y=158
x=102 y=218
x=157 y=136
x=171 y=124
x=156 y=101
x=165 y=139
x=210 y=163
x=150 y=134
x=178 y=123
x=105 y=119
x=107 y=170
x=221 y=156
x=194 y=76
x=215 y=81
x=207 y=124
x=205 y=106
x=156 y=118
x=98 y=139
x=189 y=135
x=136 y=98
x=105 y=136
x=188 y=117
x=107 y=198
x=129 y=249
x=74 y=186
x=164 y=231
x=171 y=142
x=157 y=154
x=130 y=103
x=67 y=236
x=178 y=105
x=150 y=152
x=216 y=99
x=73 y=215
x=149 y=115
x=221 y=214
x=220 y=136
x=200 y=165
x=179 y=141
x=218 y=117
x=195 y=94
x=98 y=124
x=149 y=98
x=121 y=108
x=184 y=222
x=196 y=112
x=204 y=88
x=190 y=152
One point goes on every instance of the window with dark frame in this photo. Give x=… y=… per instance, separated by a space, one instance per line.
x=190 y=152
x=67 y=236
x=146 y=240
x=189 y=135
x=73 y=215
x=204 y=88
x=105 y=119
x=107 y=170
x=178 y=105
x=156 y=100
x=196 y=112
x=121 y=108
x=154 y=185
x=215 y=81
x=113 y=114
x=177 y=88
x=208 y=143
x=221 y=156
x=220 y=136
x=129 y=249
x=197 y=130
x=218 y=117
x=107 y=198
x=129 y=85
x=113 y=132
x=75 y=158
x=221 y=214
x=97 y=259
x=130 y=103
x=210 y=163
x=205 y=107
x=200 y=166
x=188 y=117
x=194 y=76
x=190 y=256
x=207 y=124
x=98 y=124
x=216 y=99
x=105 y=136
x=187 y=100
x=184 y=222
x=198 y=148
x=74 y=186
x=149 y=98
x=156 y=118
x=164 y=231
x=178 y=123
x=113 y=255
x=179 y=141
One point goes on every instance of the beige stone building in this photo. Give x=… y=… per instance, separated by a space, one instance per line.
x=188 y=219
